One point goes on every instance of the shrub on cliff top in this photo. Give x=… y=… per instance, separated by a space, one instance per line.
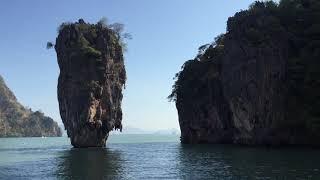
x=49 y=45
x=117 y=28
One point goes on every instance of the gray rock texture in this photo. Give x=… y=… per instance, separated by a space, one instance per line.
x=92 y=76
x=239 y=90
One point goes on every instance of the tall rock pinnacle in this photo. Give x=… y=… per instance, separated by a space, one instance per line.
x=92 y=76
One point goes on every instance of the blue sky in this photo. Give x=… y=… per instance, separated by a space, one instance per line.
x=165 y=33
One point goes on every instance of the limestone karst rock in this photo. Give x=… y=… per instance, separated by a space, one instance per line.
x=258 y=84
x=19 y=121
x=92 y=76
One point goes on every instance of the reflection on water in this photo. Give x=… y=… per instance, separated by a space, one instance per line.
x=234 y=162
x=202 y=162
x=92 y=163
x=140 y=160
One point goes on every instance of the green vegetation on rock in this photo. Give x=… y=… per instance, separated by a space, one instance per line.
x=87 y=41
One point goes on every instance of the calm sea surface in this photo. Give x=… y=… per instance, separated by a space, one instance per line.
x=151 y=157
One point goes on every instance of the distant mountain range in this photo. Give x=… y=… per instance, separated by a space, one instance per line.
x=134 y=130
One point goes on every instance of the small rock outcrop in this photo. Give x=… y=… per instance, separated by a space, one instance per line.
x=92 y=76
x=257 y=84
x=19 y=121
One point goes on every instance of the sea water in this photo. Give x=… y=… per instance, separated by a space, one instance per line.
x=151 y=157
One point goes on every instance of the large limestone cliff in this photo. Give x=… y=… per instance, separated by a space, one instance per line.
x=18 y=121
x=92 y=75
x=256 y=84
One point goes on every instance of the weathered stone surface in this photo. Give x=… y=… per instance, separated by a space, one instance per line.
x=240 y=89
x=253 y=81
x=19 y=121
x=92 y=75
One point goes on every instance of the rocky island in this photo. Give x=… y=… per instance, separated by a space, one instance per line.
x=92 y=76
x=19 y=121
x=258 y=83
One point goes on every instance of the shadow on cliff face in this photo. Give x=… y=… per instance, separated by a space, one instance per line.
x=92 y=163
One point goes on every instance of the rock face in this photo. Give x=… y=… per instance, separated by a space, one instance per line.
x=248 y=87
x=92 y=75
x=18 y=121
